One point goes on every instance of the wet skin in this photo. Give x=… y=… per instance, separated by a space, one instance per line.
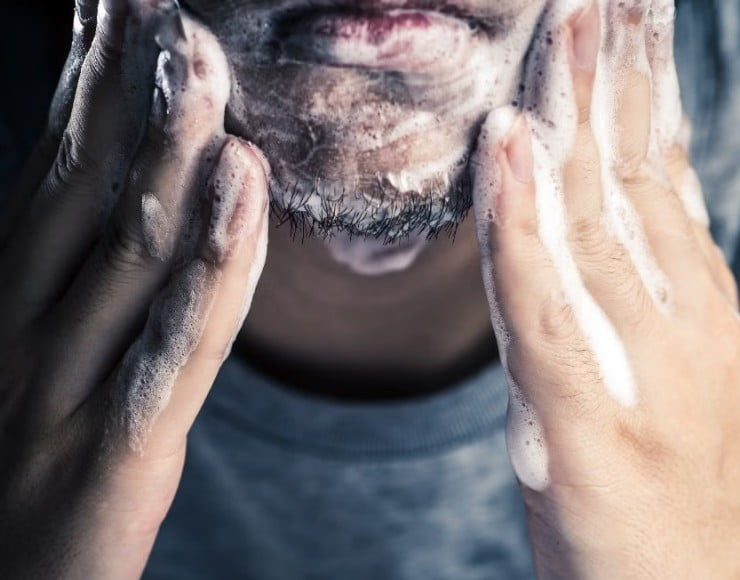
x=372 y=142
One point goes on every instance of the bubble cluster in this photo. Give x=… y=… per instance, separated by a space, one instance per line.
x=157 y=228
x=174 y=329
x=636 y=37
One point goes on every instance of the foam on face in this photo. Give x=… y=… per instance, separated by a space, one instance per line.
x=372 y=139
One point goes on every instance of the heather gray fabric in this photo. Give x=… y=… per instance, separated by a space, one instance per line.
x=278 y=486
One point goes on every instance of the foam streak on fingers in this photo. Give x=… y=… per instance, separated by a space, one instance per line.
x=622 y=80
x=154 y=226
x=167 y=374
x=506 y=224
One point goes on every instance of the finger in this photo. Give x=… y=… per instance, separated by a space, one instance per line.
x=605 y=266
x=45 y=151
x=671 y=140
x=582 y=178
x=235 y=248
x=110 y=295
x=685 y=182
x=641 y=208
x=65 y=215
x=538 y=303
x=538 y=310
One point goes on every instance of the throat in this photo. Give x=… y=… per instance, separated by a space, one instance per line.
x=319 y=326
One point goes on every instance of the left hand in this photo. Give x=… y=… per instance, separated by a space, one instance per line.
x=616 y=314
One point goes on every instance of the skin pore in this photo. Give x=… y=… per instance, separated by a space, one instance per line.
x=377 y=152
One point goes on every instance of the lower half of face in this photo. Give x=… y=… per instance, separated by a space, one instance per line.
x=367 y=111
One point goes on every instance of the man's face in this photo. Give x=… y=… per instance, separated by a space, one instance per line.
x=368 y=109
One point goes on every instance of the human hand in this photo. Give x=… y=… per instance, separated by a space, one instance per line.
x=615 y=313
x=119 y=303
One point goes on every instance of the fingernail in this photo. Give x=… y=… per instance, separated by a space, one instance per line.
x=587 y=38
x=159 y=110
x=519 y=152
x=236 y=203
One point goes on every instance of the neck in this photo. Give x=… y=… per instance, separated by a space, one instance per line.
x=320 y=328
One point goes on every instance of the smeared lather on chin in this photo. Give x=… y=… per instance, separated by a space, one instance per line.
x=363 y=133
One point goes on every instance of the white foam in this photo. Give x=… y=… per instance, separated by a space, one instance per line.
x=624 y=47
x=175 y=326
x=692 y=197
x=525 y=438
x=548 y=102
x=371 y=257
x=157 y=228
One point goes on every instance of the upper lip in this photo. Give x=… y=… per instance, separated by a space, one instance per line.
x=456 y=8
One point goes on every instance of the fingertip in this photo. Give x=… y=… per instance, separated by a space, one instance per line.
x=503 y=167
x=238 y=197
x=586 y=39
x=519 y=152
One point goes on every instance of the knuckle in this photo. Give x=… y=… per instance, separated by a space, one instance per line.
x=633 y=173
x=104 y=56
x=642 y=443
x=557 y=321
x=124 y=248
x=589 y=238
x=73 y=163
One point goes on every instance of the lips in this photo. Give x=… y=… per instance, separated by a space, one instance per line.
x=393 y=39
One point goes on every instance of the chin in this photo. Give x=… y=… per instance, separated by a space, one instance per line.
x=367 y=117
x=343 y=161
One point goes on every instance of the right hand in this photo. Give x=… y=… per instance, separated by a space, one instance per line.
x=116 y=317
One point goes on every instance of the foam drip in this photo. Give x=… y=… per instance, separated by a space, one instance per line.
x=525 y=438
x=670 y=127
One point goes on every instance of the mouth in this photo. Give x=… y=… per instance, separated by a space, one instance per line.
x=377 y=36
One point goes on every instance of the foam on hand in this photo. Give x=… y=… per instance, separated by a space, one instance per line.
x=157 y=228
x=670 y=127
x=174 y=329
x=548 y=102
x=193 y=82
x=525 y=437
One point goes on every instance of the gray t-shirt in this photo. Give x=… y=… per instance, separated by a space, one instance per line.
x=281 y=486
